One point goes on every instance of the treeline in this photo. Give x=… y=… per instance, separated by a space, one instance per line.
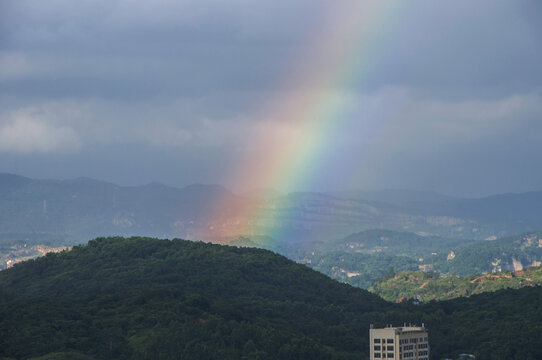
x=142 y=298
x=358 y=269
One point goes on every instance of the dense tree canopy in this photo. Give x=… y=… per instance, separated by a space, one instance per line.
x=141 y=298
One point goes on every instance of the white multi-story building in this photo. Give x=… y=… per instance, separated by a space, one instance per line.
x=399 y=343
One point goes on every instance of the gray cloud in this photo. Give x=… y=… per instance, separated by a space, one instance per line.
x=176 y=91
x=33 y=131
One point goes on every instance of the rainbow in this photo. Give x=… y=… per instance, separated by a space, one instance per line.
x=297 y=134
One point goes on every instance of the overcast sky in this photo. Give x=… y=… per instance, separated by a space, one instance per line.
x=443 y=96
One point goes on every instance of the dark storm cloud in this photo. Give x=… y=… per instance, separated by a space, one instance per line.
x=141 y=49
x=463 y=49
x=83 y=80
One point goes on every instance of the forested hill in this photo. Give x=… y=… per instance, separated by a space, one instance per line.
x=429 y=286
x=118 y=264
x=148 y=298
x=143 y=298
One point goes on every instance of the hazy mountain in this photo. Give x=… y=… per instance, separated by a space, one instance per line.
x=71 y=211
x=82 y=208
x=396 y=196
x=265 y=193
x=505 y=213
x=517 y=211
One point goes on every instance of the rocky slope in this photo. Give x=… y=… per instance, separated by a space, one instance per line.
x=404 y=286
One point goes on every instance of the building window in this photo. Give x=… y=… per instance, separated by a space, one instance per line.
x=390 y=348
x=377 y=355
x=390 y=355
x=390 y=341
x=377 y=347
x=377 y=341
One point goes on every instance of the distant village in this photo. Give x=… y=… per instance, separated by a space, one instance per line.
x=23 y=252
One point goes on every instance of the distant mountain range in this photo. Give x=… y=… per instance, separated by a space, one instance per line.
x=396 y=196
x=63 y=212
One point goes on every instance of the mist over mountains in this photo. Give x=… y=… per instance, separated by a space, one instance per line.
x=74 y=211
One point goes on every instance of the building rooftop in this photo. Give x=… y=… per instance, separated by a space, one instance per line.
x=404 y=328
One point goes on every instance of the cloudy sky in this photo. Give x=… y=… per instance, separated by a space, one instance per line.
x=313 y=94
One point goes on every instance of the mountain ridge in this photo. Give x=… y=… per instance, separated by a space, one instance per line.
x=84 y=208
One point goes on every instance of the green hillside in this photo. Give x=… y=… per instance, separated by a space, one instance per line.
x=363 y=258
x=358 y=269
x=141 y=298
x=508 y=253
x=147 y=298
x=395 y=243
x=432 y=286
